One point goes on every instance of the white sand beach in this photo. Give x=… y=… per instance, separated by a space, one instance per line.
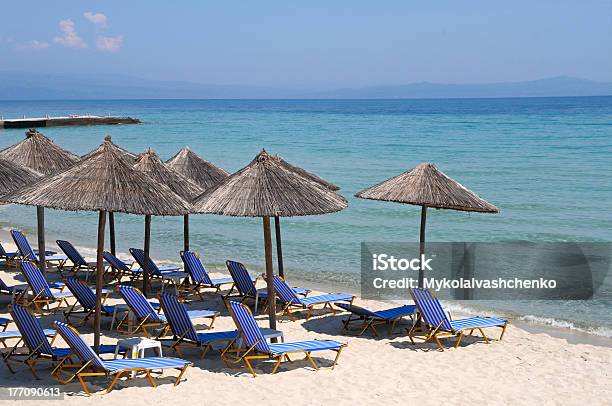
x=524 y=368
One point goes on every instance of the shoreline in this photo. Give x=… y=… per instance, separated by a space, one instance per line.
x=571 y=335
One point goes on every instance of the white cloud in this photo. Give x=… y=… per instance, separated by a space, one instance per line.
x=70 y=38
x=97 y=19
x=33 y=44
x=109 y=44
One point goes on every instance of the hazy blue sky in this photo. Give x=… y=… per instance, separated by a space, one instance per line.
x=339 y=43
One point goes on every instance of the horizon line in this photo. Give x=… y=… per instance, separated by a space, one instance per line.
x=309 y=98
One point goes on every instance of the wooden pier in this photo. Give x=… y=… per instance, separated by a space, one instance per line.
x=36 y=122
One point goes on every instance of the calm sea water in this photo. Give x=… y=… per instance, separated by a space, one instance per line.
x=545 y=162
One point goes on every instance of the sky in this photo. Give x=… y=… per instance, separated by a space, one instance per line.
x=342 y=43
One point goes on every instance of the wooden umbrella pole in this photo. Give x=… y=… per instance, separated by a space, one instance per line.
x=186 y=232
x=422 y=244
x=269 y=272
x=99 y=279
x=40 y=219
x=147 y=247
x=279 y=248
x=111 y=232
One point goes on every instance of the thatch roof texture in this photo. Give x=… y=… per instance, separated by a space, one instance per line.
x=266 y=187
x=150 y=163
x=189 y=164
x=308 y=175
x=39 y=153
x=426 y=185
x=103 y=182
x=14 y=176
x=123 y=151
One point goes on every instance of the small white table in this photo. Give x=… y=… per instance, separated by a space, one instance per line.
x=136 y=347
x=176 y=280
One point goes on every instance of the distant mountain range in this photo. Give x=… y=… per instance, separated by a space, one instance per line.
x=24 y=86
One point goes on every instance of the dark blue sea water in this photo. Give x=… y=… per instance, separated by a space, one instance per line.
x=545 y=162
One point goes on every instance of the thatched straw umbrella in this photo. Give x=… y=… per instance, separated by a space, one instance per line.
x=104 y=182
x=150 y=163
x=427 y=186
x=39 y=153
x=204 y=173
x=124 y=152
x=130 y=157
x=277 y=227
x=189 y=164
x=14 y=176
x=266 y=188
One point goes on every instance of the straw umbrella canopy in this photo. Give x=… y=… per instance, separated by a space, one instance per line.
x=150 y=163
x=202 y=172
x=427 y=186
x=14 y=176
x=266 y=188
x=130 y=157
x=189 y=164
x=277 y=226
x=104 y=182
x=39 y=153
x=308 y=175
x=127 y=154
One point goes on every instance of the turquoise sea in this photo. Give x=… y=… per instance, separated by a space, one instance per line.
x=545 y=162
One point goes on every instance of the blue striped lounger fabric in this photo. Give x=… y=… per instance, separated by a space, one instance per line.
x=292 y=301
x=369 y=319
x=441 y=326
x=94 y=366
x=258 y=347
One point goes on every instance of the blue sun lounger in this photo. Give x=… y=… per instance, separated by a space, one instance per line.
x=370 y=319
x=35 y=338
x=199 y=277
x=93 y=365
x=10 y=257
x=86 y=298
x=41 y=290
x=15 y=291
x=171 y=274
x=147 y=317
x=120 y=268
x=6 y=335
x=28 y=254
x=16 y=335
x=245 y=284
x=78 y=262
x=184 y=331
x=259 y=348
x=442 y=326
x=291 y=300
